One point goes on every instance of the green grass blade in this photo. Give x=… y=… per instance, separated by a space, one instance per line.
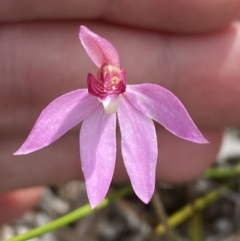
x=71 y=217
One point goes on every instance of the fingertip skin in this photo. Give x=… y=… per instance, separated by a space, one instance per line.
x=13 y=205
x=176 y=16
x=164 y=15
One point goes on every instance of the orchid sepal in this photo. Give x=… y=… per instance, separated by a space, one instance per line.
x=164 y=107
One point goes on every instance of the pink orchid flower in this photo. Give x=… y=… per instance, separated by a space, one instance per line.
x=135 y=106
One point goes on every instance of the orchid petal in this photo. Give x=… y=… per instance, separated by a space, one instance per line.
x=164 y=107
x=139 y=149
x=57 y=118
x=98 y=49
x=98 y=153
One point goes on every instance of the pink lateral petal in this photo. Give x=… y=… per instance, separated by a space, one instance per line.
x=98 y=153
x=139 y=149
x=98 y=49
x=57 y=118
x=164 y=107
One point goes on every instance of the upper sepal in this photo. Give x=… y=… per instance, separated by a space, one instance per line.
x=98 y=49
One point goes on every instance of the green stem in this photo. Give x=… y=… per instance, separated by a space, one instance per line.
x=223 y=172
x=161 y=213
x=71 y=217
x=195 y=228
x=195 y=222
x=187 y=211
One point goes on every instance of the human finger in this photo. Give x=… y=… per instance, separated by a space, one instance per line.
x=178 y=16
x=13 y=205
x=178 y=161
x=39 y=62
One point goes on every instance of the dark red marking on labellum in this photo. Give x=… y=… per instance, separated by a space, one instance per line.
x=110 y=81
